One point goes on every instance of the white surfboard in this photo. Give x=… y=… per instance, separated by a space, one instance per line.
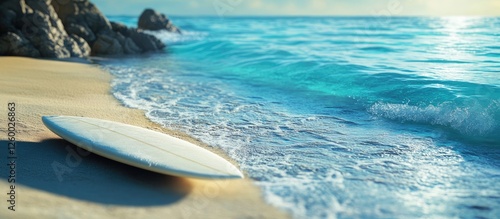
x=141 y=147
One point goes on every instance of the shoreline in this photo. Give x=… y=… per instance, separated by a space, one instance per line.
x=90 y=182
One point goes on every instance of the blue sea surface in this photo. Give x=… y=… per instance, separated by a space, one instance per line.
x=336 y=117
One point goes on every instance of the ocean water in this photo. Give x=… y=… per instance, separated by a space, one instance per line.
x=336 y=117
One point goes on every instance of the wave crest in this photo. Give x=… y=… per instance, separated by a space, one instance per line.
x=473 y=120
x=174 y=38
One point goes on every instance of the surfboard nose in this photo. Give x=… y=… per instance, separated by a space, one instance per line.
x=241 y=176
x=235 y=173
x=45 y=119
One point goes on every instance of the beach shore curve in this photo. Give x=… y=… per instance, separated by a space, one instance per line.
x=53 y=178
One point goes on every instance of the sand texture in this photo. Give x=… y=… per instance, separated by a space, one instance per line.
x=92 y=186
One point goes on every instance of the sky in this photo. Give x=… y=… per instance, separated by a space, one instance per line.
x=304 y=7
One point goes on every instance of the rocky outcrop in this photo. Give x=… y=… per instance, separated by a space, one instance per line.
x=151 y=20
x=66 y=28
x=32 y=28
x=83 y=19
x=16 y=45
x=136 y=37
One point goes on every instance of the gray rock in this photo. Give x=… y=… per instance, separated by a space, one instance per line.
x=152 y=20
x=120 y=28
x=34 y=25
x=49 y=41
x=66 y=28
x=81 y=30
x=130 y=47
x=106 y=45
x=143 y=41
x=82 y=44
x=7 y=19
x=120 y=38
x=83 y=19
x=15 y=45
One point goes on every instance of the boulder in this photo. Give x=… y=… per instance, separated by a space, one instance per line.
x=15 y=45
x=7 y=19
x=82 y=44
x=144 y=41
x=83 y=19
x=137 y=39
x=106 y=45
x=82 y=31
x=66 y=28
x=130 y=47
x=34 y=25
x=152 y=20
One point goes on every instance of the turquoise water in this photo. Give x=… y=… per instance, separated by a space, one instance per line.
x=337 y=117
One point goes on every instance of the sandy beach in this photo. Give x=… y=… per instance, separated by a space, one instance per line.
x=92 y=186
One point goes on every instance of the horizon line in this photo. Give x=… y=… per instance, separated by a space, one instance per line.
x=318 y=16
